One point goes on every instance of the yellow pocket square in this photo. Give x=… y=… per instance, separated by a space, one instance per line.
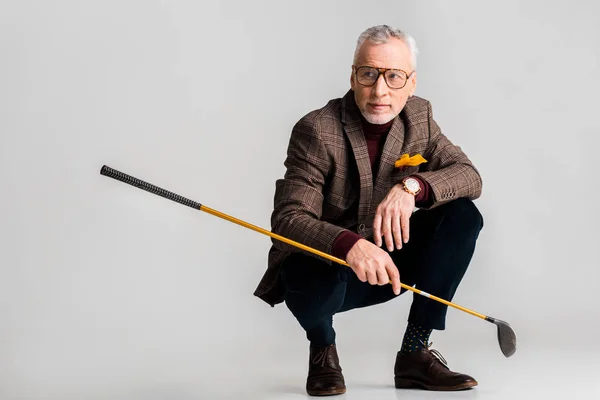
x=406 y=161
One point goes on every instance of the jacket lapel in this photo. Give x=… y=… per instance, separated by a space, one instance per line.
x=353 y=128
x=391 y=152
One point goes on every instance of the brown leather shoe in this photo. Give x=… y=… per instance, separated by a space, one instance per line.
x=324 y=372
x=427 y=369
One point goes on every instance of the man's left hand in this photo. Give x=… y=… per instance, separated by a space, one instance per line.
x=392 y=218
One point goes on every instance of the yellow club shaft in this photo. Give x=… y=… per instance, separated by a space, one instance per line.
x=327 y=256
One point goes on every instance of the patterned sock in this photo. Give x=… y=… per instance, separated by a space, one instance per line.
x=415 y=338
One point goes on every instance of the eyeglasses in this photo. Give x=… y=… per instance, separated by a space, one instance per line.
x=394 y=78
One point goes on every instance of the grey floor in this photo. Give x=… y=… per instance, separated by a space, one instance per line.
x=533 y=374
x=575 y=377
x=263 y=370
x=261 y=354
x=279 y=374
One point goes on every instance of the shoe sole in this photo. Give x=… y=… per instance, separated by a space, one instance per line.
x=401 y=383
x=332 y=392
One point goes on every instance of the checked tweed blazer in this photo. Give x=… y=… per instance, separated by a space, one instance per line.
x=329 y=187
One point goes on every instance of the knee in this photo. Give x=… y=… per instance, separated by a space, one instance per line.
x=311 y=287
x=465 y=215
x=313 y=302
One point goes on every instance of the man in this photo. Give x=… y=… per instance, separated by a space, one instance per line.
x=344 y=194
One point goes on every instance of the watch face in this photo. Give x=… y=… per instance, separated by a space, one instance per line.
x=412 y=184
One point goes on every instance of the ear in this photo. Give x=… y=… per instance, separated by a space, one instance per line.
x=352 y=79
x=413 y=84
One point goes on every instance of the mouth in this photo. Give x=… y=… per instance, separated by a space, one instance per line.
x=378 y=107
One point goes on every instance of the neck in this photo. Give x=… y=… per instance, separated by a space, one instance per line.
x=375 y=129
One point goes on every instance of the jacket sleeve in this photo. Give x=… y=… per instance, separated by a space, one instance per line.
x=298 y=200
x=449 y=172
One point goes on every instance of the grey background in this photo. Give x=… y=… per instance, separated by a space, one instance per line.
x=107 y=291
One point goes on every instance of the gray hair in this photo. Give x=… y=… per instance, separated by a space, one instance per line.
x=381 y=34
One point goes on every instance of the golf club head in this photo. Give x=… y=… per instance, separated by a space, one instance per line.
x=506 y=338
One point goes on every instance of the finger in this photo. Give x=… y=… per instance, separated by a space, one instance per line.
x=382 y=277
x=372 y=277
x=361 y=274
x=386 y=229
x=397 y=231
x=377 y=229
x=394 y=275
x=405 y=218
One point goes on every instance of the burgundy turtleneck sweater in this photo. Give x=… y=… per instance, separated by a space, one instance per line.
x=375 y=136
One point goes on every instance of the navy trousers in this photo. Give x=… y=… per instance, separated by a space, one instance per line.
x=440 y=248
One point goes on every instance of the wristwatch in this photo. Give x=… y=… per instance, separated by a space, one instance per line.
x=411 y=185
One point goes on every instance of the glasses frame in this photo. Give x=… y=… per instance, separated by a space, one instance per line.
x=382 y=71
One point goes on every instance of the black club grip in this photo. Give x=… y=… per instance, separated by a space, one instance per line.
x=120 y=176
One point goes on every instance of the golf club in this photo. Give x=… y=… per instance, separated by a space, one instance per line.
x=507 y=338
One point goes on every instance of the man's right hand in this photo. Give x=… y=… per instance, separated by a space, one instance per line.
x=373 y=264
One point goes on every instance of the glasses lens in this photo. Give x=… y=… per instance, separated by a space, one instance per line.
x=395 y=78
x=367 y=75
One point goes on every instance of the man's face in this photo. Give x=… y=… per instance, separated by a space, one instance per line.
x=379 y=103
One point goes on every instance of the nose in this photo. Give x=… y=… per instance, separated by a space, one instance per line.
x=380 y=86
